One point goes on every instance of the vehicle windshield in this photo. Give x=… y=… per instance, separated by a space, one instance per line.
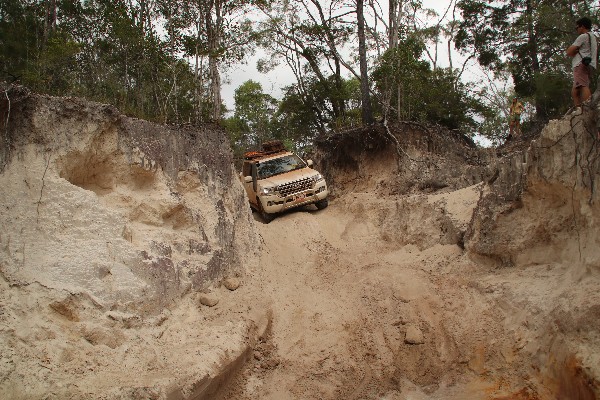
x=279 y=165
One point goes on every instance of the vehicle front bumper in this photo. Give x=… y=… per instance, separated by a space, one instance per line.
x=275 y=203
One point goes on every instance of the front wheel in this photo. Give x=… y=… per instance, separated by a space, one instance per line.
x=321 y=204
x=263 y=214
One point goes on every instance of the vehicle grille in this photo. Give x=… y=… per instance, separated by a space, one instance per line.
x=295 y=187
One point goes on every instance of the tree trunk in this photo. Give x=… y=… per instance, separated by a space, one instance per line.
x=393 y=24
x=339 y=107
x=215 y=88
x=213 y=31
x=399 y=105
x=533 y=50
x=396 y=12
x=367 y=114
x=50 y=20
x=199 y=84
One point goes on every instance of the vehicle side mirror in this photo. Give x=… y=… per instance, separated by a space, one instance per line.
x=248 y=179
x=309 y=163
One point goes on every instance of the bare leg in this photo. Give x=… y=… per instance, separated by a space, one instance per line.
x=575 y=96
x=580 y=94
x=584 y=94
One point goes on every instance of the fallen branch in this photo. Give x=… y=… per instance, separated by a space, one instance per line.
x=42 y=190
x=6 y=137
x=399 y=149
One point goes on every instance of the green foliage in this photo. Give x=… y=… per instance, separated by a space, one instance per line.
x=254 y=109
x=401 y=76
x=57 y=67
x=111 y=51
x=418 y=93
x=553 y=93
x=298 y=115
x=450 y=102
x=307 y=111
x=495 y=127
x=528 y=38
x=297 y=119
x=308 y=37
x=20 y=30
x=252 y=122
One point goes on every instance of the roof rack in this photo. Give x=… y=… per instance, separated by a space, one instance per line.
x=269 y=148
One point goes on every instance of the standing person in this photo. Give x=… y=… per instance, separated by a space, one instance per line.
x=584 y=52
x=514 y=122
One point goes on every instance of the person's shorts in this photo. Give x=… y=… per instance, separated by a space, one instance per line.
x=515 y=118
x=581 y=75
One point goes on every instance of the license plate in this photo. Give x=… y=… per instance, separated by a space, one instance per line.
x=300 y=198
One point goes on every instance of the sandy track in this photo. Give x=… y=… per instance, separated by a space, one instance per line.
x=346 y=303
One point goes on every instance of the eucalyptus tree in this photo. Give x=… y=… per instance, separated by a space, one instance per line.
x=401 y=18
x=300 y=116
x=399 y=68
x=253 y=113
x=219 y=35
x=399 y=57
x=123 y=59
x=366 y=112
x=176 y=15
x=17 y=35
x=308 y=35
x=143 y=14
x=403 y=45
x=426 y=94
x=35 y=49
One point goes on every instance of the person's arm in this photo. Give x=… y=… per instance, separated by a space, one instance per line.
x=573 y=49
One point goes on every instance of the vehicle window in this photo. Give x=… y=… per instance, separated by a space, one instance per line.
x=279 y=165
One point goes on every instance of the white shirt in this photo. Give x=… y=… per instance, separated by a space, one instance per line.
x=588 y=47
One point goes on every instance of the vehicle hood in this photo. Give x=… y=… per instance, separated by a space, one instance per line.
x=288 y=177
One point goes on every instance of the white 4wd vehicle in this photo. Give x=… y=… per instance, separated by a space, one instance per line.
x=277 y=180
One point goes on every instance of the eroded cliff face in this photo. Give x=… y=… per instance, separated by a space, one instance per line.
x=538 y=198
x=402 y=159
x=528 y=221
x=133 y=213
x=542 y=213
x=408 y=169
x=543 y=206
x=111 y=226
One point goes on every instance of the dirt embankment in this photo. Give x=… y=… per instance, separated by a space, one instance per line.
x=439 y=270
x=110 y=230
x=416 y=284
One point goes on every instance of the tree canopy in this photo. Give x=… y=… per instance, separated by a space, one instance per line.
x=353 y=62
x=528 y=39
x=134 y=54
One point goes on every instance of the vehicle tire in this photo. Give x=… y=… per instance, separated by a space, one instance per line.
x=263 y=214
x=321 y=204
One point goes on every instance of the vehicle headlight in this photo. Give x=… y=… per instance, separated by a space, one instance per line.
x=268 y=190
x=318 y=178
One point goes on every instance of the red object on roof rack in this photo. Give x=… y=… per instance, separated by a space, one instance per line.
x=269 y=148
